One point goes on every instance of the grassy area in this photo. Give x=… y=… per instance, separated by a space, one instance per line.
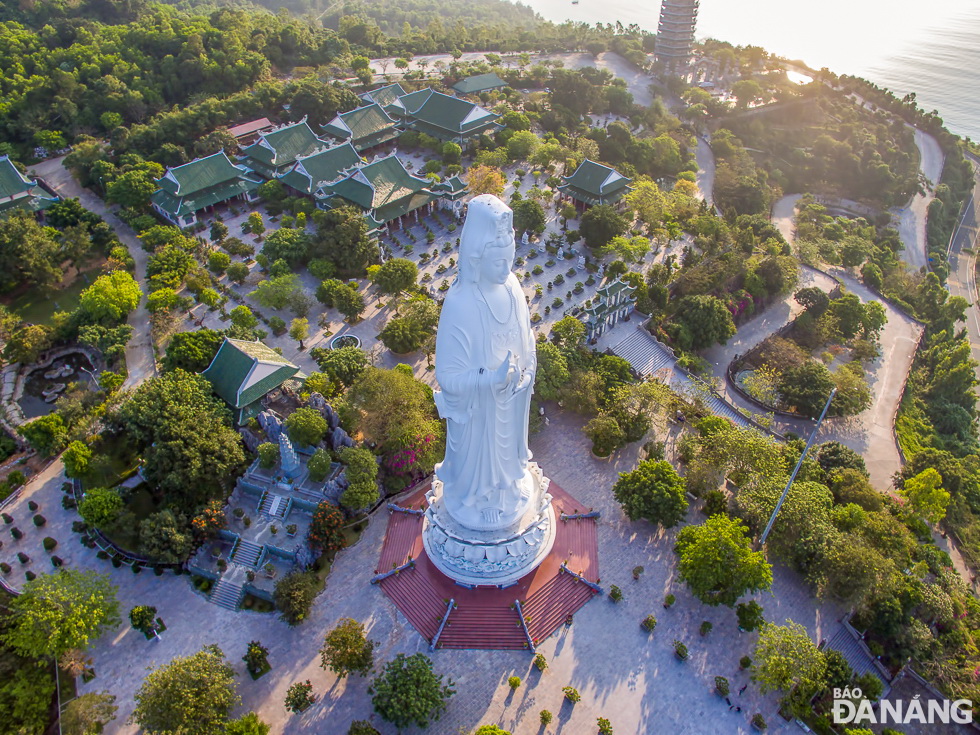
x=37 y=305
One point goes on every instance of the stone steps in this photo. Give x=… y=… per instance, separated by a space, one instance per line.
x=227 y=594
x=273 y=505
x=247 y=553
x=483 y=628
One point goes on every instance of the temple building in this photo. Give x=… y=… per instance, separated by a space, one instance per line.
x=365 y=128
x=479 y=83
x=675 y=33
x=594 y=183
x=200 y=185
x=384 y=189
x=274 y=152
x=613 y=302
x=242 y=373
x=384 y=96
x=323 y=166
x=20 y=192
x=443 y=117
x=248 y=132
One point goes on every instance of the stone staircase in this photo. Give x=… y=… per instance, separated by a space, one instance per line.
x=247 y=553
x=274 y=505
x=227 y=593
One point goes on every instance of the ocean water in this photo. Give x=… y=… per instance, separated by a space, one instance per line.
x=932 y=49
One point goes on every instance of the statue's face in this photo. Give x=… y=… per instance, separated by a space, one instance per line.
x=497 y=262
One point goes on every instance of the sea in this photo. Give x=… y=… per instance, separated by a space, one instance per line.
x=930 y=48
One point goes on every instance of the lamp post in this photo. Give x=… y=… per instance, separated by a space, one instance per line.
x=809 y=443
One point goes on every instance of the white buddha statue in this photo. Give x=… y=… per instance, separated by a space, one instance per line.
x=485 y=365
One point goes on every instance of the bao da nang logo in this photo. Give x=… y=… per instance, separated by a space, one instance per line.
x=850 y=708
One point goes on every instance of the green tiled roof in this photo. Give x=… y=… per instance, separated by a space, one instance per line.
x=242 y=372
x=383 y=188
x=180 y=206
x=479 y=83
x=595 y=183
x=364 y=127
x=410 y=102
x=384 y=96
x=404 y=205
x=283 y=146
x=13 y=184
x=455 y=116
x=199 y=174
x=451 y=188
x=326 y=165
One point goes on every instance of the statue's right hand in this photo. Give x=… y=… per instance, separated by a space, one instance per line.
x=502 y=375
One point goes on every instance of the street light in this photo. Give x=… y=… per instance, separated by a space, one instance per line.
x=809 y=443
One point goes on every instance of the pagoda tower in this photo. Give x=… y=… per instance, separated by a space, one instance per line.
x=675 y=33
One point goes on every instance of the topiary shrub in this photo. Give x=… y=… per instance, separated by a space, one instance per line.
x=32 y=506
x=669 y=600
x=705 y=628
x=540 y=662
x=7 y=518
x=39 y=520
x=721 y=686
x=744 y=663
x=4 y=567
x=22 y=557
x=16 y=533
x=30 y=576
x=571 y=694
x=57 y=561
x=546 y=717
x=514 y=682
x=649 y=623
x=49 y=543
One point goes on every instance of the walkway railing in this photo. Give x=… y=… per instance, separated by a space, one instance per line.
x=527 y=633
x=445 y=619
x=377 y=578
x=410 y=511
x=592 y=585
x=578 y=516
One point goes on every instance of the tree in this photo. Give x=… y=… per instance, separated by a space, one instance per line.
x=834 y=456
x=362 y=472
x=746 y=91
x=165 y=538
x=346 y=649
x=299 y=330
x=243 y=317
x=785 y=656
x=76 y=459
x=362 y=727
x=218 y=262
x=528 y=216
x=247 y=724
x=552 y=373
x=702 y=321
x=277 y=292
x=807 y=387
x=926 y=496
x=192 y=351
x=57 y=612
x=47 y=434
x=111 y=297
x=219 y=231
x=325 y=532
x=716 y=561
x=254 y=224
x=256 y=657
x=294 y=595
x=417 y=323
x=190 y=694
x=319 y=465
x=132 y=190
x=237 y=272
x=653 y=491
x=568 y=333
x=286 y=244
x=342 y=236
x=306 y=426
x=396 y=275
x=648 y=201
x=27 y=343
x=486 y=180
x=600 y=224
x=408 y=692
x=100 y=506
x=299 y=696
x=522 y=145
x=344 y=364
x=28 y=252
x=88 y=713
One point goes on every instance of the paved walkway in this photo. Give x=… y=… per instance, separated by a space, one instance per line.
x=911 y=220
x=962 y=280
x=621 y=672
x=139 y=352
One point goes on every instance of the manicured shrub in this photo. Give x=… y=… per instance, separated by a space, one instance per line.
x=32 y=506
x=721 y=686
x=540 y=662
x=669 y=600
x=30 y=576
x=16 y=533
x=546 y=717
x=649 y=623
x=744 y=662
x=22 y=557
x=705 y=628
x=56 y=561
x=49 y=543
x=514 y=682
x=7 y=518
x=4 y=567
x=680 y=650
x=571 y=694
x=615 y=594
x=39 y=520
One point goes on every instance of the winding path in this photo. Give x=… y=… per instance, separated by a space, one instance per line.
x=139 y=352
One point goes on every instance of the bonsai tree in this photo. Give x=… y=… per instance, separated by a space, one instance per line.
x=546 y=717
x=540 y=662
x=637 y=571
x=649 y=623
x=514 y=682
x=299 y=697
x=749 y=615
x=669 y=600
x=615 y=594
x=705 y=628
x=721 y=686
x=256 y=659
x=680 y=650
x=571 y=694
x=605 y=727
x=759 y=722
x=143 y=619
x=744 y=663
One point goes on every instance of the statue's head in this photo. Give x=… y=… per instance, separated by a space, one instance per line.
x=486 y=246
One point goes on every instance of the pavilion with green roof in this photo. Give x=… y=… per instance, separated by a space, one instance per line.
x=479 y=83
x=201 y=184
x=384 y=189
x=323 y=167
x=19 y=192
x=594 y=183
x=274 y=152
x=612 y=302
x=242 y=373
x=384 y=96
x=365 y=128
x=443 y=117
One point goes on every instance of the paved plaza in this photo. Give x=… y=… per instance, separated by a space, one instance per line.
x=623 y=673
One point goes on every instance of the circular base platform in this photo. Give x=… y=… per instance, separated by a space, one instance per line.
x=486 y=616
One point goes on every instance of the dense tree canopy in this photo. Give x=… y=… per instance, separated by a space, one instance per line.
x=408 y=692
x=653 y=491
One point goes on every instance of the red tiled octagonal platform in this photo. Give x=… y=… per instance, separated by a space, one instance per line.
x=484 y=616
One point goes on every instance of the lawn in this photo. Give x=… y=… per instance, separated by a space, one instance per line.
x=37 y=305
